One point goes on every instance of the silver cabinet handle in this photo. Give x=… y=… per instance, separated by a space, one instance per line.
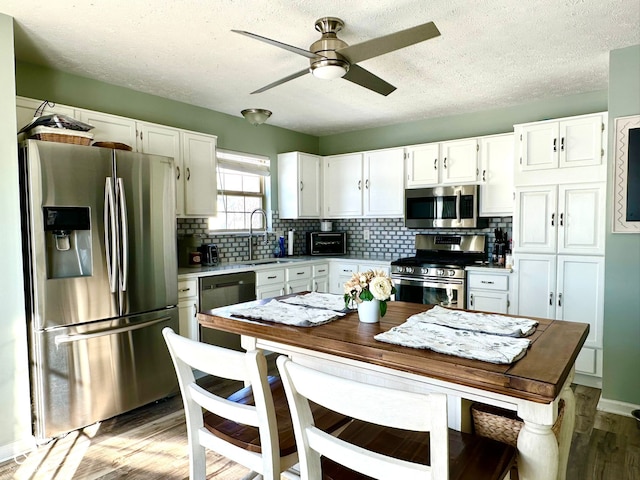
x=486 y=281
x=445 y=162
x=359 y=184
x=550 y=298
x=366 y=184
x=178 y=173
x=301 y=186
x=188 y=174
x=553 y=218
x=484 y=175
x=555 y=144
x=562 y=219
x=184 y=289
x=272 y=277
x=471 y=299
x=559 y=299
x=435 y=164
x=562 y=144
x=195 y=310
x=315 y=289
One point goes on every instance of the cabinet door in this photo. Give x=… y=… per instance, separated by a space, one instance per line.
x=580 y=293
x=459 y=161
x=199 y=157
x=581 y=142
x=539 y=143
x=187 y=313
x=581 y=217
x=160 y=140
x=342 y=176
x=496 y=175
x=422 y=165
x=536 y=283
x=487 y=301
x=321 y=284
x=535 y=220
x=26 y=109
x=309 y=204
x=383 y=183
x=110 y=128
x=298 y=286
x=269 y=291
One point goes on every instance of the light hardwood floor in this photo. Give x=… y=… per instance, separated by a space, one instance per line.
x=150 y=443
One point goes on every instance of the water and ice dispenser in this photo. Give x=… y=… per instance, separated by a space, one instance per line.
x=67 y=241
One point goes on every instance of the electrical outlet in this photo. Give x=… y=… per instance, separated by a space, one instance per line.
x=367 y=234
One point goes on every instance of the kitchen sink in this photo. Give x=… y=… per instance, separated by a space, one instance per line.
x=270 y=261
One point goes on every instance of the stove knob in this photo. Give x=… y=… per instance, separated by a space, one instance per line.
x=440 y=273
x=408 y=269
x=424 y=271
x=452 y=273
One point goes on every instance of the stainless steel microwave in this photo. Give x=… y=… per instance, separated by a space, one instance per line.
x=442 y=207
x=326 y=243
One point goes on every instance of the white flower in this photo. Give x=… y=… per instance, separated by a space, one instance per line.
x=380 y=288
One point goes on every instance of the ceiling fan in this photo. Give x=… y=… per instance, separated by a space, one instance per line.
x=330 y=57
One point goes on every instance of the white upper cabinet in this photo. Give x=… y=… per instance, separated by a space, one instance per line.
x=459 y=161
x=343 y=186
x=566 y=219
x=383 y=181
x=109 y=128
x=496 y=175
x=422 y=165
x=199 y=155
x=160 y=140
x=561 y=151
x=299 y=185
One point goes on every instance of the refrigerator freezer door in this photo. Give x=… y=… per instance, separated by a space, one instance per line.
x=87 y=373
x=67 y=271
x=148 y=263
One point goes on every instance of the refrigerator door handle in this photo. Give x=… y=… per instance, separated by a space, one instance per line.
x=124 y=234
x=62 y=339
x=110 y=245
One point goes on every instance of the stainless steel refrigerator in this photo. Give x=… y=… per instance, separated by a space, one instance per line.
x=99 y=236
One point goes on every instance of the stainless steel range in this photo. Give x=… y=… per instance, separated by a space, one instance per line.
x=436 y=275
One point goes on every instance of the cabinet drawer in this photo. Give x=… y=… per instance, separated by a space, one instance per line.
x=347 y=269
x=298 y=273
x=267 y=277
x=489 y=282
x=187 y=288
x=321 y=270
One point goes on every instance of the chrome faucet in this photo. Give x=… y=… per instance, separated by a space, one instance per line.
x=264 y=215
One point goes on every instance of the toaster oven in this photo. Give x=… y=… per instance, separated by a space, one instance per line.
x=326 y=243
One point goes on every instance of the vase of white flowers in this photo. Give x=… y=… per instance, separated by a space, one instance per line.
x=369 y=291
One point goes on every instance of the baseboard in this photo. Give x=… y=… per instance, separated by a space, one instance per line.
x=588 y=380
x=17 y=449
x=617 y=407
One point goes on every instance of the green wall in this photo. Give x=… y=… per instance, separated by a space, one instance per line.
x=622 y=270
x=474 y=124
x=234 y=133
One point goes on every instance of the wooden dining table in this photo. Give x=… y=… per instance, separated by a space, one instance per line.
x=531 y=386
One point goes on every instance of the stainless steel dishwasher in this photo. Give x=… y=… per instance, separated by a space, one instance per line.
x=220 y=291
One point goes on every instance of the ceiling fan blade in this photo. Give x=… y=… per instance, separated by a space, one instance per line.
x=366 y=79
x=282 y=80
x=388 y=43
x=291 y=48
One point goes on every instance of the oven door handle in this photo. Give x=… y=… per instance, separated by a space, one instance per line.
x=458 y=201
x=432 y=282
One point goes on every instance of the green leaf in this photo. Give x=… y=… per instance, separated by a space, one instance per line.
x=366 y=295
x=383 y=308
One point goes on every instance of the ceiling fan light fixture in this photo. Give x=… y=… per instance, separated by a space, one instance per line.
x=329 y=68
x=256 y=116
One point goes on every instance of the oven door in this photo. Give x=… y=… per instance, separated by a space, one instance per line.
x=430 y=291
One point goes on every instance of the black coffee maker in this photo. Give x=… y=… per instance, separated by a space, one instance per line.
x=208 y=254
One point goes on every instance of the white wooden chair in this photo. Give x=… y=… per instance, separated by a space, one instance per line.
x=397 y=434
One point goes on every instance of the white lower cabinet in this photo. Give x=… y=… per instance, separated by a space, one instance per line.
x=188 y=308
x=320 y=273
x=342 y=270
x=270 y=283
x=488 y=291
x=298 y=279
x=565 y=287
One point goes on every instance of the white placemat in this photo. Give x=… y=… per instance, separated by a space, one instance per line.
x=280 y=312
x=328 y=301
x=477 y=322
x=461 y=343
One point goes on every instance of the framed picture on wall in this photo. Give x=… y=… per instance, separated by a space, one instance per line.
x=626 y=180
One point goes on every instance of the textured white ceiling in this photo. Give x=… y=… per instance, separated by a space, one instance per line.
x=492 y=53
